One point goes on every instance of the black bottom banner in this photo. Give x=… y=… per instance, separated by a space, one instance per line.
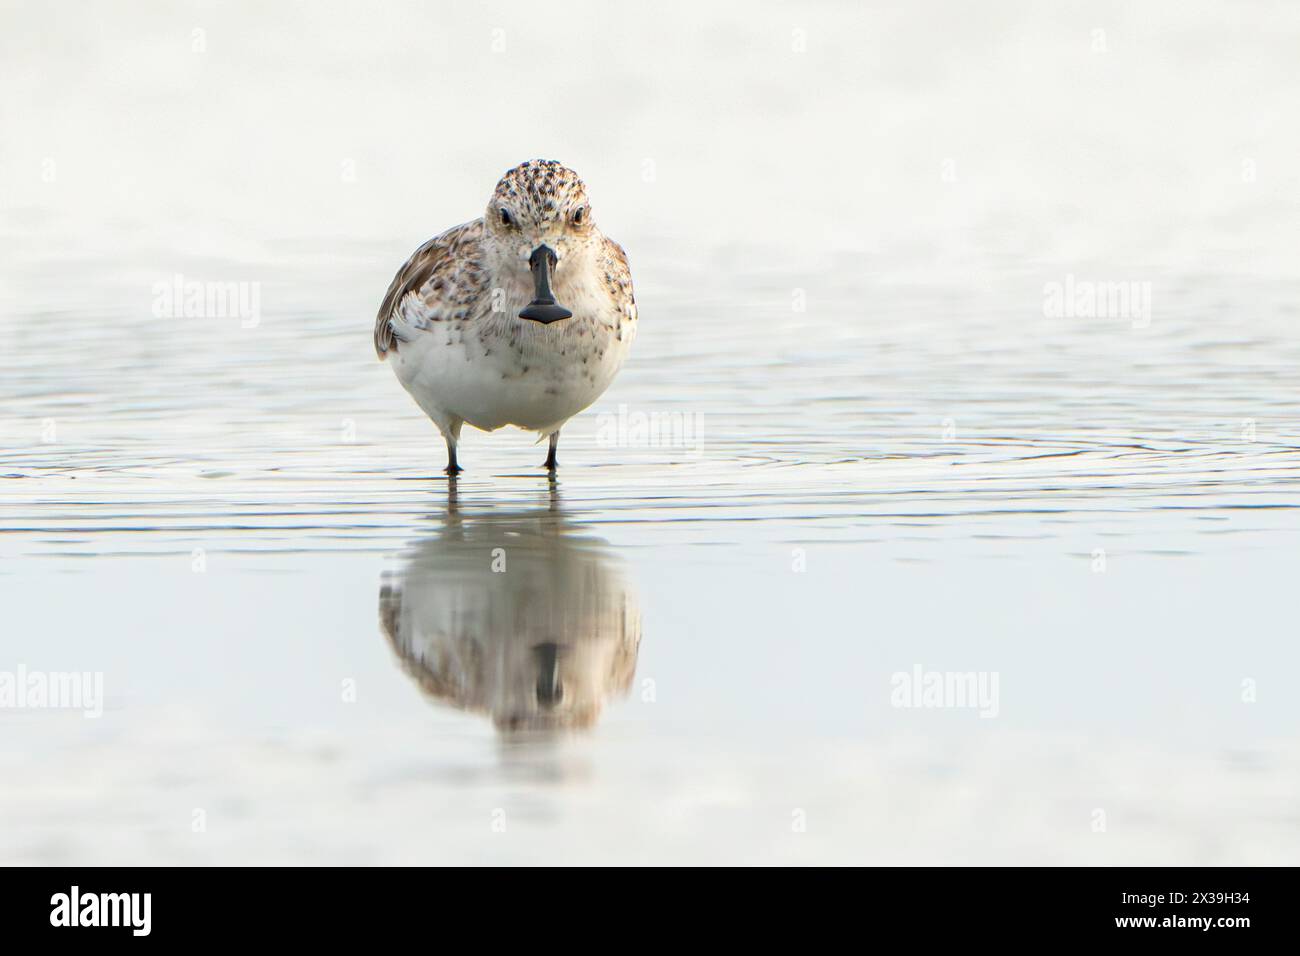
x=358 y=905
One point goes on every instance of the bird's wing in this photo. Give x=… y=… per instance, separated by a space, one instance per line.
x=441 y=280
x=618 y=278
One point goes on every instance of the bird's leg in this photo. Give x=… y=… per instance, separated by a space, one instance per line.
x=550 y=462
x=452 y=435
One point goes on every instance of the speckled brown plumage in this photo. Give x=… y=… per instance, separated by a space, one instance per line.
x=445 y=274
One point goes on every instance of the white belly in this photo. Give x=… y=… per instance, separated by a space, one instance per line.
x=503 y=370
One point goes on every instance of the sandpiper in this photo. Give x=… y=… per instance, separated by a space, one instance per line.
x=522 y=317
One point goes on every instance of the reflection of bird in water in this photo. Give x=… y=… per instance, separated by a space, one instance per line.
x=515 y=615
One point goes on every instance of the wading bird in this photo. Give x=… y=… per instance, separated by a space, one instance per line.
x=522 y=317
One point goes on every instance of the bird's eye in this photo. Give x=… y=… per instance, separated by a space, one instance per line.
x=505 y=217
x=579 y=215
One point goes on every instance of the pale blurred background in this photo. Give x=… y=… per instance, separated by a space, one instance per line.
x=841 y=218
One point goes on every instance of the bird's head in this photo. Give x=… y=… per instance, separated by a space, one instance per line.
x=539 y=216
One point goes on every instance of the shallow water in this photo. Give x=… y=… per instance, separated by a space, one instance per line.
x=879 y=454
